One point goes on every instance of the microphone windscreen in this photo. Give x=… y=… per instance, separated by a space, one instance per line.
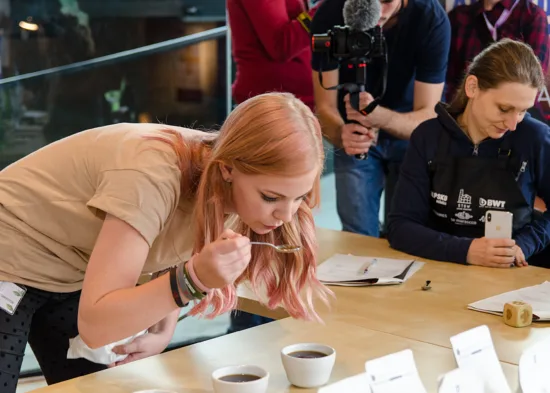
x=362 y=15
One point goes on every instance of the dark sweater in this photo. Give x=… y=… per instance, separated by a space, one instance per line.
x=410 y=228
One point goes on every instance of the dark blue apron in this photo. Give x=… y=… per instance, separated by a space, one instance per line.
x=464 y=188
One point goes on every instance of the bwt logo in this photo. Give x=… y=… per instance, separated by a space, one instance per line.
x=491 y=203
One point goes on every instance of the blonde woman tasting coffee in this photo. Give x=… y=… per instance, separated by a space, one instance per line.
x=81 y=219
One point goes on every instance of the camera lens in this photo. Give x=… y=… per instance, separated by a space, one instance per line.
x=489 y=217
x=321 y=43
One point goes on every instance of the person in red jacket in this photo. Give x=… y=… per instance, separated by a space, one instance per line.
x=271 y=47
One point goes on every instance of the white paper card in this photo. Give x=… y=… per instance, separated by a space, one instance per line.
x=395 y=373
x=474 y=351
x=460 y=381
x=534 y=368
x=10 y=296
x=356 y=384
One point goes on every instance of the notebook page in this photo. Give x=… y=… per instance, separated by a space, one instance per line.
x=538 y=296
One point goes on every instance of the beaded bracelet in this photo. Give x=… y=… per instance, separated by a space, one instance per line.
x=184 y=289
x=175 y=289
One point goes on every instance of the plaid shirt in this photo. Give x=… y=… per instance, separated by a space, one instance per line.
x=527 y=23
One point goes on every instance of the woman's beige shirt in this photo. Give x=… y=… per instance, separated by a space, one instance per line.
x=53 y=202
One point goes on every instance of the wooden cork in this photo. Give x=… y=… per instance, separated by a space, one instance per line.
x=518 y=314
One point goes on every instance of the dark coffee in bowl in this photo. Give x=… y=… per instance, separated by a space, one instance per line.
x=307 y=354
x=239 y=378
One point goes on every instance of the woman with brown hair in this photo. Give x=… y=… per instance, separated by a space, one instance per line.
x=482 y=152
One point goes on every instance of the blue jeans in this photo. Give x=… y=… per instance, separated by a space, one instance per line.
x=359 y=185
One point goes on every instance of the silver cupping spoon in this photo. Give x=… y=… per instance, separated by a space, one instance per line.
x=286 y=248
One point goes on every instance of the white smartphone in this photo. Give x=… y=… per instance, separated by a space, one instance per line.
x=498 y=224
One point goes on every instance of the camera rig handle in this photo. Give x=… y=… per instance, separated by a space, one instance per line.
x=377 y=53
x=355 y=89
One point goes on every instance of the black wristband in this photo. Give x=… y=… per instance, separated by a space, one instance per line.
x=174 y=287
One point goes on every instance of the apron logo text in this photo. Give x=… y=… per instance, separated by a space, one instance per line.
x=464 y=218
x=464 y=201
x=464 y=215
x=440 y=198
x=493 y=203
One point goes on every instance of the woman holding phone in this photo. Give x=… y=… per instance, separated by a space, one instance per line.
x=483 y=152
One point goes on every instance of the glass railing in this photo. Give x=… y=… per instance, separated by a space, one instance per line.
x=183 y=81
x=48 y=94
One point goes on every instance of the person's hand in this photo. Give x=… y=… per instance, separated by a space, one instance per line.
x=520 y=259
x=149 y=344
x=368 y=121
x=357 y=139
x=221 y=262
x=492 y=252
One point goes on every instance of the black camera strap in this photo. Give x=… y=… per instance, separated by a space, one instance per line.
x=336 y=87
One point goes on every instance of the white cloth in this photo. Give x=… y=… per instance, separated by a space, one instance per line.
x=103 y=355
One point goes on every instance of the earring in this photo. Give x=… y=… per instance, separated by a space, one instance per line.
x=228 y=180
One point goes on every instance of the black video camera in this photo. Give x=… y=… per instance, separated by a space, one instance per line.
x=343 y=43
x=356 y=49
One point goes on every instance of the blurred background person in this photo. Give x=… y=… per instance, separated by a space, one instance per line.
x=476 y=26
x=271 y=47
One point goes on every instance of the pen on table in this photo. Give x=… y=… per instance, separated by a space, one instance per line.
x=369 y=266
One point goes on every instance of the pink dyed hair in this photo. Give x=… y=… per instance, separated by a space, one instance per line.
x=270 y=134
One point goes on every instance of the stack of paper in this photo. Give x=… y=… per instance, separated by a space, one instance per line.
x=537 y=296
x=349 y=270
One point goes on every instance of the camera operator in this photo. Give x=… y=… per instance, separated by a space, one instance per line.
x=417 y=34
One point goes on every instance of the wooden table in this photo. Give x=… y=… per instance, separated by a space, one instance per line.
x=428 y=316
x=188 y=369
